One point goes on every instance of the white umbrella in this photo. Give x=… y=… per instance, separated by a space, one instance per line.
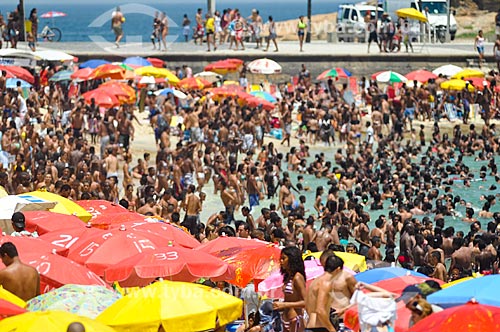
x=13 y=203
x=209 y=76
x=147 y=80
x=175 y=92
x=264 y=66
x=447 y=70
x=53 y=55
x=390 y=76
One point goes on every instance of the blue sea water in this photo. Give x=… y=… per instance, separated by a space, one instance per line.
x=93 y=19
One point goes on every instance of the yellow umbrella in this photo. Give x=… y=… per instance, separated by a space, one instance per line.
x=177 y=306
x=452 y=283
x=8 y=296
x=64 y=205
x=468 y=73
x=355 y=262
x=53 y=321
x=158 y=73
x=457 y=85
x=412 y=14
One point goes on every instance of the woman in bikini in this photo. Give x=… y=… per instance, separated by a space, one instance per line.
x=294 y=289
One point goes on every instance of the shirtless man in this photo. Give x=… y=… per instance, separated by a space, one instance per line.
x=111 y=163
x=439 y=268
x=116 y=25
x=192 y=205
x=150 y=208
x=324 y=292
x=377 y=119
x=199 y=170
x=308 y=233
x=126 y=131
x=323 y=238
x=374 y=252
x=286 y=197
x=229 y=197
x=77 y=120
x=461 y=257
x=18 y=278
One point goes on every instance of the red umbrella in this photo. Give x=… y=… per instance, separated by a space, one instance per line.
x=169 y=232
x=105 y=213
x=398 y=284
x=19 y=72
x=26 y=245
x=194 y=83
x=173 y=263
x=224 y=66
x=254 y=264
x=82 y=74
x=73 y=240
x=46 y=221
x=470 y=317
x=124 y=87
x=108 y=71
x=56 y=271
x=478 y=82
x=351 y=318
x=8 y=309
x=256 y=102
x=155 y=62
x=101 y=98
x=225 y=246
x=420 y=75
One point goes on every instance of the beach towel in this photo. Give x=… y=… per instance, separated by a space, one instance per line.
x=374 y=311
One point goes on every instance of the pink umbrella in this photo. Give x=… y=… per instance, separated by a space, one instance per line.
x=271 y=286
x=52 y=14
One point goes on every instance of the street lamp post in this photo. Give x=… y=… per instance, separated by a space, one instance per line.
x=448 y=13
x=309 y=14
x=211 y=6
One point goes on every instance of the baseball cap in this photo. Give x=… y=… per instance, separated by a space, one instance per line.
x=19 y=220
x=408 y=293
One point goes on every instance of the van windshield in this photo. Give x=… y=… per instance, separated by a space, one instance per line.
x=435 y=7
x=363 y=13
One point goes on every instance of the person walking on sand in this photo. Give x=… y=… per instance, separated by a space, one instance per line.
x=301 y=31
x=117 y=19
x=271 y=25
x=479 y=45
x=496 y=52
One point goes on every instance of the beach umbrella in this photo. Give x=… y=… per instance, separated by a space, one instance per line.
x=176 y=306
x=264 y=66
x=468 y=73
x=194 y=83
x=64 y=205
x=63 y=75
x=254 y=264
x=225 y=246
x=479 y=83
x=83 y=300
x=46 y=221
x=403 y=314
x=82 y=74
x=172 y=263
x=26 y=245
x=334 y=73
x=12 y=83
x=456 y=282
x=412 y=14
x=457 y=85
x=259 y=102
x=124 y=87
x=226 y=91
x=94 y=63
x=74 y=240
x=19 y=72
x=470 y=317
x=157 y=73
x=137 y=61
x=264 y=95
x=398 y=284
x=53 y=321
x=272 y=286
x=447 y=70
x=371 y=276
x=108 y=71
x=56 y=271
x=147 y=80
x=52 y=14
x=224 y=66
x=99 y=208
x=355 y=262
x=54 y=55
x=9 y=297
x=209 y=76
x=169 y=232
x=8 y=309
x=101 y=98
x=389 y=76
x=175 y=92
x=420 y=75
x=155 y=62
x=485 y=290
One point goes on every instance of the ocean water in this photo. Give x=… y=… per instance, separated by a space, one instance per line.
x=85 y=22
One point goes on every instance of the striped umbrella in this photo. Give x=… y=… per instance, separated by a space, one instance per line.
x=333 y=73
x=264 y=66
x=389 y=76
x=52 y=14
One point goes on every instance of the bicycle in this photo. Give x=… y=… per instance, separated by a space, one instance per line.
x=50 y=34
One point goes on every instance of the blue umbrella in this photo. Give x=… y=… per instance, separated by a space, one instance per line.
x=371 y=276
x=264 y=95
x=484 y=290
x=63 y=75
x=94 y=63
x=137 y=61
x=12 y=83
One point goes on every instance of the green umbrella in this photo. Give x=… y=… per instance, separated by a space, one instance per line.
x=63 y=75
x=389 y=76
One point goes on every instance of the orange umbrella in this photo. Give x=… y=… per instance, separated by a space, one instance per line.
x=82 y=74
x=101 y=98
x=19 y=72
x=226 y=91
x=225 y=66
x=194 y=83
x=108 y=71
x=256 y=102
x=470 y=317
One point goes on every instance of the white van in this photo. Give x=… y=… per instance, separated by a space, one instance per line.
x=351 y=21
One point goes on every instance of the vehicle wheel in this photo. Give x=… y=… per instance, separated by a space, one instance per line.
x=56 y=35
x=442 y=37
x=452 y=36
